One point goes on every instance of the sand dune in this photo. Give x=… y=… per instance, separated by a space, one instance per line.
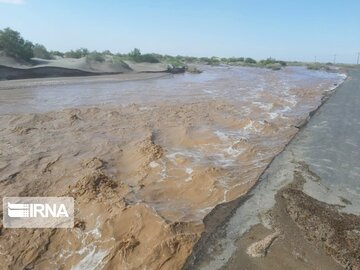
x=11 y=68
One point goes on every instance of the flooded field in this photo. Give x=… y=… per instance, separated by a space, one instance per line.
x=145 y=160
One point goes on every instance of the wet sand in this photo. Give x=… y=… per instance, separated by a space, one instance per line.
x=148 y=165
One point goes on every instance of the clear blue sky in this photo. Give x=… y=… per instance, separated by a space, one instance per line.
x=284 y=29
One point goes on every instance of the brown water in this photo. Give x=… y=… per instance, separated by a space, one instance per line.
x=144 y=160
x=237 y=84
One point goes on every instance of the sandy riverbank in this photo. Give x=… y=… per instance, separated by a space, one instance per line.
x=144 y=176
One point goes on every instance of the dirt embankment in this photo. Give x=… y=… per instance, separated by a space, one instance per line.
x=11 y=68
x=10 y=73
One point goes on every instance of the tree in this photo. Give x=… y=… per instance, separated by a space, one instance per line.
x=56 y=53
x=135 y=53
x=79 y=53
x=41 y=52
x=107 y=52
x=95 y=57
x=14 y=45
x=250 y=61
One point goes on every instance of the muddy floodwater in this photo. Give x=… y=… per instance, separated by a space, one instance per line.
x=145 y=160
x=240 y=84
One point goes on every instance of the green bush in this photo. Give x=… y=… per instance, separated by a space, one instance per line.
x=318 y=66
x=95 y=57
x=193 y=69
x=41 y=52
x=267 y=61
x=173 y=61
x=249 y=60
x=235 y=59
x=210 y=61
x=215 y=60
x=14 y=45
x=135 y=53
x=107 y=52
x=56 y=53
x=272 y=63
x=79 y=53
x=274 y=66
x=149 y=58
x=204 y=59
x=136 y=56
x=189 y=59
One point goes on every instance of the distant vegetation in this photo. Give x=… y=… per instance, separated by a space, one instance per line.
x=319 y=66
x=95 y=57
x=40 y=51
x=79 y=53
x=272 y=63
x=250 y=61
x=56 y=54
x=14 y=45
x=193 y=69
x=136 y=56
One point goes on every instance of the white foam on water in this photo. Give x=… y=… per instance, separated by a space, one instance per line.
x=163 y=172
x=96 y=231
x=195 y=155
x=153 y=164
x=265 y=106
x=221 y=135
x=91 y=261
x=285 y=109
x=189 y=171
x=222 y=160
x=251 y=127
x=273 y=115
x=208 y=91
x=93 y=258
x=234 y=152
